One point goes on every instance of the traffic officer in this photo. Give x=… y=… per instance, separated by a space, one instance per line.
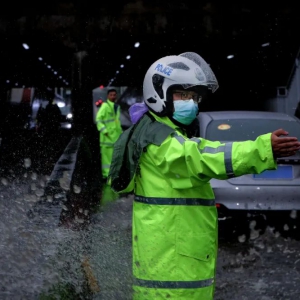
x=175 y=222
x=109 y=126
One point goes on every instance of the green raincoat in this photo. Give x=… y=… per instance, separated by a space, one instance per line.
x=109 y=127
x=175 y=221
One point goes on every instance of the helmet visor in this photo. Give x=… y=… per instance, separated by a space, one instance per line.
x=203 y=73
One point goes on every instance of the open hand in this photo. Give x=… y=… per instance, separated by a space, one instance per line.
x=284 y=146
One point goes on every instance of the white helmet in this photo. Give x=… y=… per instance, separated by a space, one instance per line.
x=186 y=70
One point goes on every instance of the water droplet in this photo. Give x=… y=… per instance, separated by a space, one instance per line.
x=76 y=189
x=39 y=192
x=30 y=198
x=64 y=183
x=64 y=207
x=42 y=183
x=27 y=162
x=242 y=238
x=33 y=176
x=33 y=186
x=293 y=214
x=4 y=181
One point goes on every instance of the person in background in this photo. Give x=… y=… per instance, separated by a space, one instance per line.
x=109 y=127
x=175 y=222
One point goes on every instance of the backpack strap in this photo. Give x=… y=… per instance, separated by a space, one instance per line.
x=130 y=146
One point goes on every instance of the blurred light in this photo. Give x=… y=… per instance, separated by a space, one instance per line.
x=25 y=46
x=128 y=57
x=60 y=76
x=230 y=56
x=69 y=116
x=69 y=125
x=137 y=44
x=55 y=72
x=265 y=44
x=61 y=104
x=101 y=86
x=16 y=84
x=67 y=83
x=122 y=66
x=48 y=66
x=7 y=81
x=117 y=71
x=40 y=58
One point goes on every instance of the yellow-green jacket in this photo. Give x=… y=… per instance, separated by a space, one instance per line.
x=108 y=121
x=174 y=214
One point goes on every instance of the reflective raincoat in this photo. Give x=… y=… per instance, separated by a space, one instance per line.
x=174 y=214
x=109 y=127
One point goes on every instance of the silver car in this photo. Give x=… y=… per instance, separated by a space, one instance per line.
x=254 y=194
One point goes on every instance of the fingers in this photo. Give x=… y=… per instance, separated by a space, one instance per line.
x=288 y=144
x=279 y=132
x=286 y=140
x=285 y=150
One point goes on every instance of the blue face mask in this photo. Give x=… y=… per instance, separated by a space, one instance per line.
x=185 y=111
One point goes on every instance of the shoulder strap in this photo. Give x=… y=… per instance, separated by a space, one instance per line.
x=130 y=146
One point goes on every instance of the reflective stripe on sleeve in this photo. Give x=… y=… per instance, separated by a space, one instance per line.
x=228 y=160
x=175 y=201
x=106 y=121
x=181 y=139
x=105 y=166
x=196 y=140
x=174 y=284
x=227 y=150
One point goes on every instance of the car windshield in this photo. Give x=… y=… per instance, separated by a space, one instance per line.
x=248 y=129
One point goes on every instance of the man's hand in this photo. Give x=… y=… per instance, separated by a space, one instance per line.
x=284 y=146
